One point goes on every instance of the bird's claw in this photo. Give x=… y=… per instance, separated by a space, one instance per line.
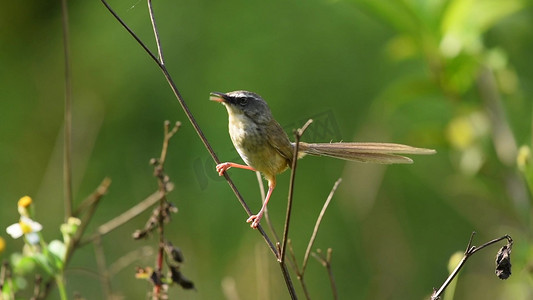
x=221 y=168
x=254 y=219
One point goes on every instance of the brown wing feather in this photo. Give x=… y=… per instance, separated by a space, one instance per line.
x=279 y=140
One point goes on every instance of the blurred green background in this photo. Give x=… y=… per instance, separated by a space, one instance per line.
x=455 y=76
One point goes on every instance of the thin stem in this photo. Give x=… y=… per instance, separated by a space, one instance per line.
x=156 y=33
x=61 y=286
x=505 y=237
x=297 y=135
x=67 y=155
x=317 y=225
x=470 y=250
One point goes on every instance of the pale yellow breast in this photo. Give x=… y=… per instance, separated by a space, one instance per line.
x=250 y=141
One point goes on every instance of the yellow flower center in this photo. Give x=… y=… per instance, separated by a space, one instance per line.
x=26 y=228
x=24 y=201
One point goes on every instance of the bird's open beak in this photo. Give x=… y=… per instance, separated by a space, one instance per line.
x=218 y=97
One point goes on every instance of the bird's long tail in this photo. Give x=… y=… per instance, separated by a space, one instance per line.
x=380 y=153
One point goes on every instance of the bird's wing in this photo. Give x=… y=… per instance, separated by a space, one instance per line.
x=279 y=140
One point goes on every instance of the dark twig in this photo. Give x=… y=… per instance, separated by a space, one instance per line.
x=204 y=140
x=297 y=135
x=470 y=250
x=67 y=155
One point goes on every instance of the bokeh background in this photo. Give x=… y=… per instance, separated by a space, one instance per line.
x=453 y=75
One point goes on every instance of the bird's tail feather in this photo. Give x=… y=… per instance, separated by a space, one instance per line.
x=381 y=153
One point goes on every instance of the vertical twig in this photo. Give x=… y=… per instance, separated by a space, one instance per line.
x=67 y=158
x=297 y=135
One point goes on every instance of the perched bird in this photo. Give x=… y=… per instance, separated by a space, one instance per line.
x=265 y=147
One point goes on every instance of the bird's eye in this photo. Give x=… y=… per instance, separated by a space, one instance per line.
x=243 y=101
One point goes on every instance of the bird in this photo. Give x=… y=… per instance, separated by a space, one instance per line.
x=265 y=147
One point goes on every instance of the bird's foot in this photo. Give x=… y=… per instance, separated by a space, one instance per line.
x=221 y=168
x=254 y=219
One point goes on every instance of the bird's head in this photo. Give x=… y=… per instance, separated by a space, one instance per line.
x=244 y=103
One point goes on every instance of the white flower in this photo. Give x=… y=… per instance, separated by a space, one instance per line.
x=27 y=227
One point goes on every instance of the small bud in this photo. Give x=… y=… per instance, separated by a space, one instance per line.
x=23 y=206
x=25 y=201
x=503 y=262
